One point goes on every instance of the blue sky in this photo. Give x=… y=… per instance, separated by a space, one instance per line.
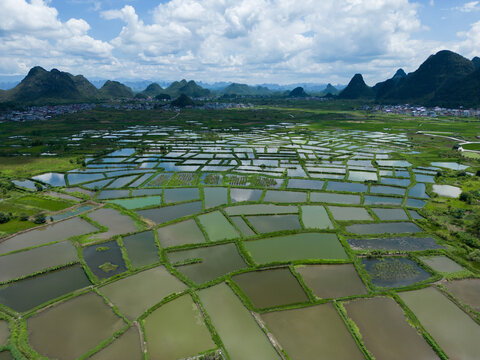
x=251 y=41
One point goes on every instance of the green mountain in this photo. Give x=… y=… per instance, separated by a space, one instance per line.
x=245 y=90
x=439 y=70
x=384 y=87
x=115 y=90
x=476 y=62
x=182 y=101
x=462 y=92
x=41 y=85
x=189 y=88
x=298 y=92
x=357 y=89
x=151 y=90
x=330 y=89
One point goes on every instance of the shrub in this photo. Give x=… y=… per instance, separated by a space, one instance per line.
x=4 y=218
x=40 y=219
x=23 y=217
x=467 y=197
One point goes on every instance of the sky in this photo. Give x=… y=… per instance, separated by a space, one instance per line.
x=247 y=41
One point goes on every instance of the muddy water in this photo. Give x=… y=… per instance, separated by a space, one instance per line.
x=272 y=287
x=141 y=249
x=137 y=293
x=241 y=335
x=455 y=332
x=4 y=332
x=26 y=294
x=315 y=217
x=56 y=232
x=116 y=222
x=217 y=226
x=169 y=213
x=332 y=281
x=177 y=330
x=385 y=330
x=315 y=332
x=126 y=347
x=70 y=329
x=442 y=263
x=271 y=223
x=467 y=291
x=28 y=262
x=181 y=233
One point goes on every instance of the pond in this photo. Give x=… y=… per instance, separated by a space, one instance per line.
x=384 y=228
x=334 y=198
x=406 y=243
x=169 y=213
x=116 y=222
x=442 y=264
x=27 y=294
x=447 y=190
x=450 y=165
x=455 y=332
x=52 y=179
x=315 y=217
x=141 y=249
x=74 y=179
x=217 y=226
x=467 y=291
x=138 y=203
x=389 y=190
x=238 y=330
x=332 y=281
x=346 y=186
x=285 y=196
x=390 y=214
x=76 y=211
x=296 y=247
x=315 y=332
x=181 y=233
x=126 y=347
x=418 y=191
x=58 y=231
x=261 y=209
x=386 y=332
x=362 y=176
x=207 y=263
x=113 y=194
x=395 y=181
x=271 y=223
x=104 y=260
x=394 y=272
x=215 y=196
x=177 y=330
x=122 y=182
x=136 y=294
x=382 y=200
x=305 y=184
x=23 y=263
x=181 y=195
x=242 y=226
x=72 y=328
x=345 y=213
x=240 y=195
x=4 y=332
x=272 y=287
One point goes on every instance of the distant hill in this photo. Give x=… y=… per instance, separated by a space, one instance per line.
x=462 y=92
x=245 y=90
x=151 y=90
x=439 y=70
x=357 y=89
x=330 y=89
x=189 y=88
x=298 y=92
x=115 y=90
x=182 y=101
x=41 y=85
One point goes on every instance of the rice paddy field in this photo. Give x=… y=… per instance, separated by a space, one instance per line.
x=273 y=242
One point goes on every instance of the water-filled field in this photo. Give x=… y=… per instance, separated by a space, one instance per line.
x=258 y=244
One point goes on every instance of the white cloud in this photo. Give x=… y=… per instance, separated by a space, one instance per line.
x=470 y=44
x=469 y=7
x=259 y=38
x=32 y=34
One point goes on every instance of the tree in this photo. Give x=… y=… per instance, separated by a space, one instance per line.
x=23 y=217
x=38 y=187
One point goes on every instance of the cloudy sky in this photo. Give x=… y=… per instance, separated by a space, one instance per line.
x=252 y=41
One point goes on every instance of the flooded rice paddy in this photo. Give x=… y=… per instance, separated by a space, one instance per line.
x=185 y=240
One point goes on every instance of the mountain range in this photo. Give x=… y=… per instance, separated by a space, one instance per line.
x=444 y=79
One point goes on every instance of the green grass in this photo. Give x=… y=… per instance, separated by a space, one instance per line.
x=473 y=146
x=44 y=203
x=15 y=225
x=27 y=166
